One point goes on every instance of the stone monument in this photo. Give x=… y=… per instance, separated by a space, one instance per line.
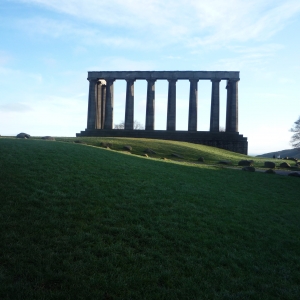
x=101 y=106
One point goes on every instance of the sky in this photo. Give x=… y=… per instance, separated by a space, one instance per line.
x=48 y=46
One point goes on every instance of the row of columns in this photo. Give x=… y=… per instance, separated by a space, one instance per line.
x=101 y=103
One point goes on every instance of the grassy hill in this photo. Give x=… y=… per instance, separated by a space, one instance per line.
x=164 y=149
x=283 y=153
x=82 y=222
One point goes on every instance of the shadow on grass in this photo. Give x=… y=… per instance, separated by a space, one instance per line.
x=82 y=222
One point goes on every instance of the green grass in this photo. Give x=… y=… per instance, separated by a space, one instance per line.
x=164 y=149
x=81 y=222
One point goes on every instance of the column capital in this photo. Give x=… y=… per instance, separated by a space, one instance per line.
x=194 y=80
x=172 y=80
x=232 y=81
x=215 y=80
x=130 y=80
x=110 y=80
x=151 y=80
x=101 y=81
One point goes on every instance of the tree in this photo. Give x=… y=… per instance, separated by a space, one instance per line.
x=295 y=139
x=136 y=125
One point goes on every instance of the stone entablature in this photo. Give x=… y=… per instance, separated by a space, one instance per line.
x=156 y=75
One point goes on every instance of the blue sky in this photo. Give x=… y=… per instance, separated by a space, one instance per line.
x=47 y=47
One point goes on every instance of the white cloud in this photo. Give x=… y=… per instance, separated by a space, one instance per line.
x=5 y=57
x=119 y=63
x=7 y=73
x=62 y=29
x=235 y=20
x=16 y=107
x=56 y=116
x=276 y=137
x=252 y=58
x=193 y=22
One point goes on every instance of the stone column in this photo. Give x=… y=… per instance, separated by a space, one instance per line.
x=171 y=115
x=129 y=108
x=228 y=111
x=109 y=105
x=215 y=106
x=150 y=106
x=99 y=105
x=193 y=106
x=103 y=104
x=232 y=106
x=92 y=106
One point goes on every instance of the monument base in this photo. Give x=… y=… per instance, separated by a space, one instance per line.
x=232 y=141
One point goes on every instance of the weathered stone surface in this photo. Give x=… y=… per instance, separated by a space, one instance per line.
x=246 y=163
x=23 y=135
x=225 y=162
x=149 y=151
x=232 y=106
x=109 y=104
x=249 y=169
x=270 y=164
x=215 y=106
x=201 y=159
x=295 y=174
x=225 y=75
x=101 y=107
x=105 y=145
x=176 y=155
x=193 y=105
x=171 y=111
x=150 y=105
x=48 y=138
x=127 y=148
x=270 y=171
x=129 y=107
x=285 y=165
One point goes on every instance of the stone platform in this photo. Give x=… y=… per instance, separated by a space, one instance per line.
x=232 y=141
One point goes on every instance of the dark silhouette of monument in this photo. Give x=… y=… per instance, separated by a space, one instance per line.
x=101 y=105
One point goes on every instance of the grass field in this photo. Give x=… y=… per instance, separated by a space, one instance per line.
x=164 y=149
x=82 y=222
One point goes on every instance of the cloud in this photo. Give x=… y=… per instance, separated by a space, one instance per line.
x=242 y=21
x=277 y=135
x=5 y=57
x=7 y=73
x=195 y=22
x=37 y=117
x=15 y=107
x=245 y=57
x=119 y=63
x=88 y=35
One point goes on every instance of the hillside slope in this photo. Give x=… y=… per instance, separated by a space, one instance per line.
x=81 y=222
x=283 y=153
